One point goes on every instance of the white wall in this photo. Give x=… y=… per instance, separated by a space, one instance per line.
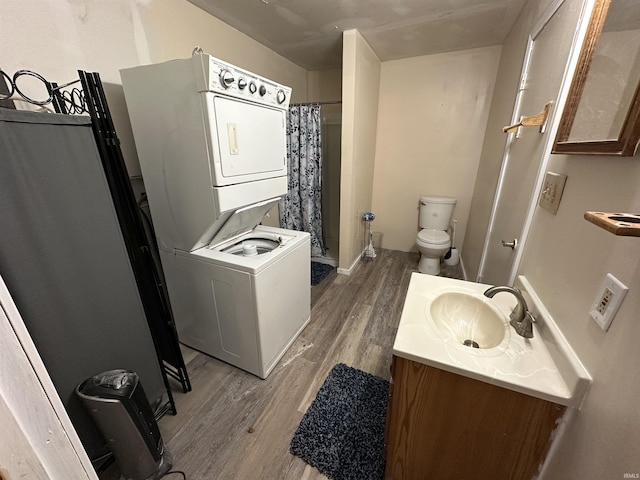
x=57 y=38
x=565 y=259
x=324 y=85
x=360 y=91
x=431 y=121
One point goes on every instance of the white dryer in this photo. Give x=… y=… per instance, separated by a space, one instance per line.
x=211 y=142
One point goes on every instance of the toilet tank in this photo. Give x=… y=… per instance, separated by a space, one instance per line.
x=436 y=212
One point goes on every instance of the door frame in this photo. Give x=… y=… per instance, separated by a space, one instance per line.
x=552 y=127
x=55 y=448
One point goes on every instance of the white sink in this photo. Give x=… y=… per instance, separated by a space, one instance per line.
x=442 y=317
x=471 y=320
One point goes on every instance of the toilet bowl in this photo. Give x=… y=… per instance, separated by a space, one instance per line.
x=432 y=245
x=433 y=241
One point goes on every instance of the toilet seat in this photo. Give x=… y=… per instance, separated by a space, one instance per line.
x=433 y=237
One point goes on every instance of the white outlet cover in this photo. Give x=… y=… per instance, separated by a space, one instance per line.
x=551 y=193
x=619 y=291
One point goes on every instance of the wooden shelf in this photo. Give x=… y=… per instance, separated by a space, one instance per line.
x=622 y=224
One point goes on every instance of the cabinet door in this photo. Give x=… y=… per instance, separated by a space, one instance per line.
x=444 y=425
x=389 y=407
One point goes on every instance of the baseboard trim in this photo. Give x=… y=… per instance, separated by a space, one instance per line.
x=326 y=260
x=349 y=271
x=464 y=271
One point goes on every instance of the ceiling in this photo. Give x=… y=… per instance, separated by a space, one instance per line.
x=309 y=32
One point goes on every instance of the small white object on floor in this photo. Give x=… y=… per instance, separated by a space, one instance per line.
x=453 y=257
x=370 y=251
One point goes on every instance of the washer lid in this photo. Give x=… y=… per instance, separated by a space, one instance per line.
x=242 y=221
x=433 y=237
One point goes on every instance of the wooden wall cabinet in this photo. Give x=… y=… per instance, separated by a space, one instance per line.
x=445 y=426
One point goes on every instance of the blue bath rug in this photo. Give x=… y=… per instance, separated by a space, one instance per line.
x=319 y=272
x=342 y=433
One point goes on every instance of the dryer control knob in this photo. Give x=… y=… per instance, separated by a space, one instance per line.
x=263 y=90
x=281 y=97
x=226 y=78
x=252 y=87
x=242 y=83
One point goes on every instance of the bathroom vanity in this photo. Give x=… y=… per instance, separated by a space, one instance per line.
x=443 y=425
x=492 y=411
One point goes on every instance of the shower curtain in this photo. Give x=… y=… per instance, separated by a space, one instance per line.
x=301 y=208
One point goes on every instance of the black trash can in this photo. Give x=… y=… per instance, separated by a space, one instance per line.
x=118 y=405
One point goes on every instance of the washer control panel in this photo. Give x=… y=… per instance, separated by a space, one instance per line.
x=215 y=75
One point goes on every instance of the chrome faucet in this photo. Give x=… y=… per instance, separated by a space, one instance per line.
x=521 y=318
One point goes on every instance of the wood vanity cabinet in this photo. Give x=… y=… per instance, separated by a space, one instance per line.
x=445 y=426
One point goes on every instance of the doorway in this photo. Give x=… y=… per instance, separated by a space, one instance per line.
x=331 y=165
x=546 y=73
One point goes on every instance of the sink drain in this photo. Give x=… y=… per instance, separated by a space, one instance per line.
x=471 y=343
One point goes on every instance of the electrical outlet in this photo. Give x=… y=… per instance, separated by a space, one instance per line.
x=604 y=301
x=552 y=189
x=608 y=301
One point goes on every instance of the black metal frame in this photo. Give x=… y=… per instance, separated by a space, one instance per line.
x=156 y=306
x=91 y=100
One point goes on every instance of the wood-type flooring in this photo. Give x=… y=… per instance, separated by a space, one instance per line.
x=233 y=425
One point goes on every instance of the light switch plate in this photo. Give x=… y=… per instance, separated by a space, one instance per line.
x=552 y=189
x=607 y=302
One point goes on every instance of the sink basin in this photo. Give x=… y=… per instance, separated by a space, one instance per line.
x=440 y=314
x=469 y=319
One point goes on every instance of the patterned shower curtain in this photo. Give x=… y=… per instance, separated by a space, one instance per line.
x=301 y=208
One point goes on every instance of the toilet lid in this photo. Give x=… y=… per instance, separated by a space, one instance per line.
x=434 y=237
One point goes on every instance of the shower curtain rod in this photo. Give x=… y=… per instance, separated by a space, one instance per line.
x=316 y=103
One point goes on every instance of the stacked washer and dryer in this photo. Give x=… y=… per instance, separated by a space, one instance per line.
x=211 y=139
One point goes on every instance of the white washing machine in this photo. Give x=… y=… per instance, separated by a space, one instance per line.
x=243 y=309
x=211 y=141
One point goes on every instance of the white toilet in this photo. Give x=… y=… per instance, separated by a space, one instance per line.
x=433 y=241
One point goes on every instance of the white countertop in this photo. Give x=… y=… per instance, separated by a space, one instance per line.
x=544 y=366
